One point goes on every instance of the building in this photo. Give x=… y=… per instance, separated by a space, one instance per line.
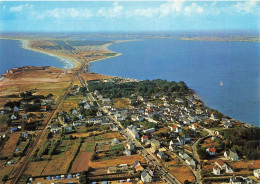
x=257 y=173
x=146 y=177
x=111 y=170
x=211 y=151
x=230 y=155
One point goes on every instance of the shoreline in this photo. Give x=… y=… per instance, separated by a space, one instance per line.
x=70 y=62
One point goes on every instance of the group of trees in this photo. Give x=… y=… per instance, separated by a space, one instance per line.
x=143 y=88
x=245 y=141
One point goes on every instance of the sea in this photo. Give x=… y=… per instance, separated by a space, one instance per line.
x=14 y=53
x=224 y=74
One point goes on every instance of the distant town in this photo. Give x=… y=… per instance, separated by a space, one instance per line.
x=75 y=126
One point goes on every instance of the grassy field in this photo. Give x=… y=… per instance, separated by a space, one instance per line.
x=10 y=145
x=121 y=103
x=180 y=171
x=71 y=102
x=116 y=161
x=58 y=164
x=108 y=136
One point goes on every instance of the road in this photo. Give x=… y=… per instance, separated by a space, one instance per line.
x=151 y=159
x=194 y=146
x=42 y=133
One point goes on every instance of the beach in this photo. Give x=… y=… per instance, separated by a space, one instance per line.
x=70 y=62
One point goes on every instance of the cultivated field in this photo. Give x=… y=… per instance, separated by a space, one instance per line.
x=94 y=76
x=180 y=171
x=81 y=162
x=10 y=145
x=116 y=161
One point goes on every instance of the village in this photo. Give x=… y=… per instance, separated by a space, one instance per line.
x=96 y=138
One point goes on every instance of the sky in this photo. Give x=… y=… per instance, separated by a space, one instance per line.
x=112 y=16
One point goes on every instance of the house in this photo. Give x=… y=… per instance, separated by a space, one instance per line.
x=130 y=146
x=140 y=98
x=183 y=155
x=127 y=152
x=146 y=177
x=149 y=171
x=150 y=130
x=68 y=128
x=44 y=108
x=194 y=126
x=211 y=151
x=13 y=117
x=190 y=161
x=99 y=113
x=180 y=140
x=230 y=155
x=111 y=170
x=144 y=138
x=213 y=116
x=24 y=116
x=187 y=138
x=160 y=154
x=139 y=168
x=178 y=100
x=155 y=143
x=16 y=109
x=178 y=129
x=240 y=180
x=220 y=164
x=86 y=106
x=216 y=170
x=74 y=112
x=186 y=122
x=123 y=167
x=257 y=173
x=55 y=129
x=77 y=123
x=132 y=131
x=227 y=124
x=114 y=141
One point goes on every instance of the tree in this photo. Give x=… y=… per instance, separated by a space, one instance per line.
x=186 y=182
x=5 y=178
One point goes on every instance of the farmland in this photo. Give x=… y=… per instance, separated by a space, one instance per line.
x=10 y=145
x=116 y=161
x=180 y=171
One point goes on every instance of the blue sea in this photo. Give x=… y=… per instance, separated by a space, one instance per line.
x=225 y=75
x=12 y=54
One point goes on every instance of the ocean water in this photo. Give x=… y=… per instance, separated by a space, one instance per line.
x=202 y=65
x=13 y=55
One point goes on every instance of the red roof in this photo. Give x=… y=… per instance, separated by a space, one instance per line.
x=144 y=136
x=220 y=163
x=212 y=150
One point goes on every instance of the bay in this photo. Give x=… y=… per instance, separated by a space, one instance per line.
x=202 y=65
x=13 y=55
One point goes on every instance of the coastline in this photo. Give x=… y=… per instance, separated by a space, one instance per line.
x=70 y=62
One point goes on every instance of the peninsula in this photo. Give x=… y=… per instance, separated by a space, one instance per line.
x=75 y=126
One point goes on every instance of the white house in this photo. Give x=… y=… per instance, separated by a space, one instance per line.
x=216 y=170
x=13 y=117
x=190 y=161
x=183 y=155
x=146 y=177
x=230 y=155
x=257 y=173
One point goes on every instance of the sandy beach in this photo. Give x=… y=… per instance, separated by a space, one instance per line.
x=70 y=62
